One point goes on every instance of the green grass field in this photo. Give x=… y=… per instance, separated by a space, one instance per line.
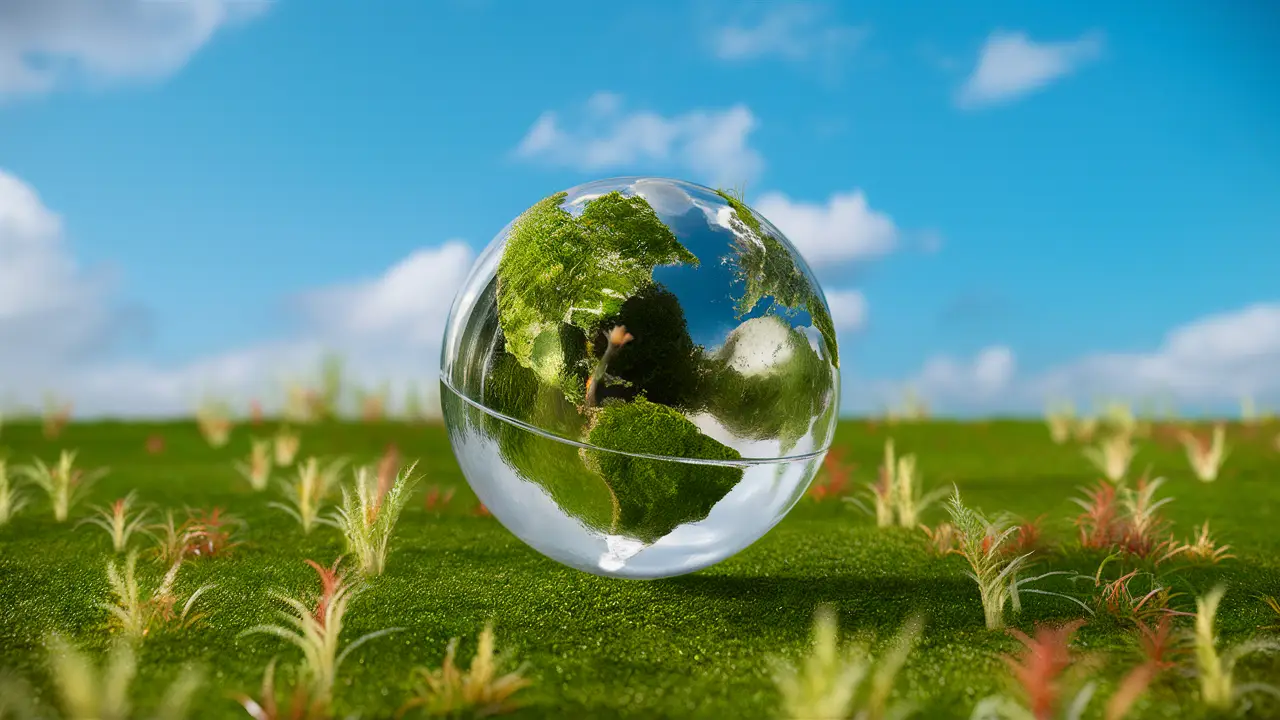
x=698 y=646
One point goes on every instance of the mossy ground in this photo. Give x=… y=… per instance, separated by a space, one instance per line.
x=690 y=647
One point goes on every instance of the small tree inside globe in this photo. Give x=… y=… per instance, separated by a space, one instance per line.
x=640 y=377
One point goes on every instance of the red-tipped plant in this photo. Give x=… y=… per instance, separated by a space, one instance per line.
x=119 y=521
x=56 y=416
x=213 y=533
x=833 y=481
x=617 y=337
x=1203 y=548
x=437 y=498
x=154 y=444
x=316 y=628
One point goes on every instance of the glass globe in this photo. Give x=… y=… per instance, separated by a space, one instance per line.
x=640 y=377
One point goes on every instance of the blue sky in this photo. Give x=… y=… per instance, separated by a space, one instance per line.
x=1051 y=190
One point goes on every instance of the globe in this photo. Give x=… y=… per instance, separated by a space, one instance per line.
x=640 y=377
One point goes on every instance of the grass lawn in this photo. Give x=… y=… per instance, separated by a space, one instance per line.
x=698 y=646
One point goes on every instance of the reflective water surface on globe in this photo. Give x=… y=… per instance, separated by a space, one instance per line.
x=640 y=377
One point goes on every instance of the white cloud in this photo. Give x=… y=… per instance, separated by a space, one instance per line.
x=53 y=316
x=793 y=32
x=1010 y=64
x=1205 y=365
x=848 y=309
x=51 y=310
x=842 y=230
x=45 y=44
x=712 y=144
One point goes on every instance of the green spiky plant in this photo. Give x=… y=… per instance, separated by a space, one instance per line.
x=86 y=691
x=985 y=545
x=371 y=505
x=1112 y=455
x=479 y=692
x=285 y=446
x=897 y=497
x=213 y=419
x=1060 y=418
x=305 y=495
x=316 y=630
x=12 y=497
x=257 y=470
x=119 y=521
x=834 y=682
x=1219 y=689
x=64 y=483
x=1206 y=456
x=137 y=612
x=299 y=705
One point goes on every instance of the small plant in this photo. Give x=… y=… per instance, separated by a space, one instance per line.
x=481 y=511
x=436 y=499
x=834 y=478
x=478 y=692
x=1044 y=674
x=1126 y=519
x=1112 y=456
x=1203 y=548
x=137 y=614
x=1144 y=526
x=368 y=515
x=85 y=691
x=313 y=482
x=300 y=705
x=212 y=533
x=844 y=682
x=174 y=542
x=1060 y=419
x=1274 y=604
x=258 y=469
x=896 y=496
x=982 y=543
x=373 y=403
x=1039 y=672
x=1119 y=599
x=154 y=444
x=1216 y=670
x=64 y=483
x=1206 y=455
x=315 y=630
x=12 y=498
x=119 y=521
x=56 y=416
x=285 y=444
x=1084 y=429
x=213 y=418
x=942 y=538
x=617 y=337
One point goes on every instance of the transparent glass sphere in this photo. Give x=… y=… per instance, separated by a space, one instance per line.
x=640 y=377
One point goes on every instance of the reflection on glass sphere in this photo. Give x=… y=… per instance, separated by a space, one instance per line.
x=640 y=377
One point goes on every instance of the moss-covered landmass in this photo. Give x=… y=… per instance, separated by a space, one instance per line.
x=653 y=497
x=779 y=401
x=767 y=269
x=514 y=390
x=559 y=269
x=662 y=363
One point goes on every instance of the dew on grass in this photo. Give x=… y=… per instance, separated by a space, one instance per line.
x=640 y=377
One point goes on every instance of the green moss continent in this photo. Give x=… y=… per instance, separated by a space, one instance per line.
x=653 y=497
